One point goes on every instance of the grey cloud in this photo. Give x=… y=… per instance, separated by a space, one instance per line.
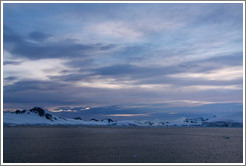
x=71 y=77
x=54 y=50
x=155 y=75
x=11 y=78
x=56 y=93
x=103 y=112
x=160 y=111
x=232 y=59
x=11 y=62
x=63 y=49
x=52 y=93
x=107 y=47
x=127 y=69
x=121 y=72
x=39 y=36
x=33 y=85
x=47 y=93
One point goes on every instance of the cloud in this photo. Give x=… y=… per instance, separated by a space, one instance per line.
x=157 y=112
x=21 y=46
x=33 y=70
x=11 y=78
x=127 y=115
x=212 y=87
x=64 y=49
x=110 y=83
x=118 y=30
x=39 y=36
x=224 y=74
x=135 y=72
x=11 y=63
x=50 y=93
x=99 y=55
x=71 y=109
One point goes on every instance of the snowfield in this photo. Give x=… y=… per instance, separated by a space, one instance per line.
x=37 y=116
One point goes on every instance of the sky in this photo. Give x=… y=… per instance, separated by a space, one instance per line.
x=135 y=60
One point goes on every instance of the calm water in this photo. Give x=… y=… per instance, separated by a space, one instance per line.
x=121 y=145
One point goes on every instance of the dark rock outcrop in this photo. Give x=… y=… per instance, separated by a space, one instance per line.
x=20 y=112
x=38 y=110
x=108 y=120
x=41 y=113
x=94 y=120
x=48 y=116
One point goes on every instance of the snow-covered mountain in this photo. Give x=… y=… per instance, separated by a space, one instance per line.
x=37 y=116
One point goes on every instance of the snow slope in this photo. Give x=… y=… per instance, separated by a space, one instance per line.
x=38 y=116
x=34 y=118
x=232 y=117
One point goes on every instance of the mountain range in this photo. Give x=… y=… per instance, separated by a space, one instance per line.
x=38 y=116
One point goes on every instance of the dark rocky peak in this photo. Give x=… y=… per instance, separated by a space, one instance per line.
x=38 y=110
x=20 y=112
x=41 y=113
x=108 y=120
x=94 y=120
x=49 y=117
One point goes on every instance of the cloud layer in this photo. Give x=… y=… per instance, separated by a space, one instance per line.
x=101 y=55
